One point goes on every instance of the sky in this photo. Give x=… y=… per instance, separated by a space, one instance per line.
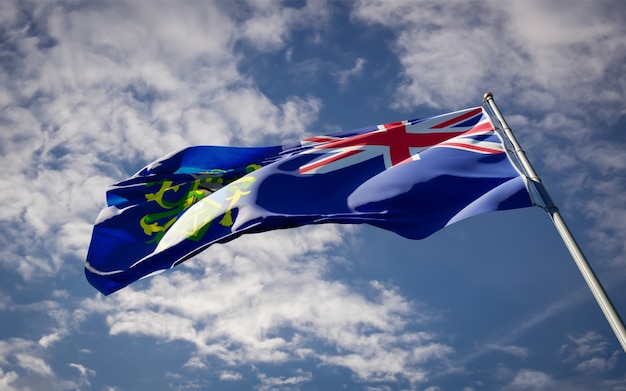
x=90 y=92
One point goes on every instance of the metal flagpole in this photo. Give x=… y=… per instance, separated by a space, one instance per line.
x=596 y=288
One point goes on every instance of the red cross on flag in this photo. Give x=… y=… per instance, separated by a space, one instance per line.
x=396 y=142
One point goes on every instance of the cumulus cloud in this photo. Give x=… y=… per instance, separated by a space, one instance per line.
x=271 y=383
x=528 y=46
x=344 y=76
x=84 y=371
x=23 y=367
x=268 y=24
x=114 y=82
x=530 y=380
x=589 y=353
x=230 y=376
x=7 y=380
x=276 y=306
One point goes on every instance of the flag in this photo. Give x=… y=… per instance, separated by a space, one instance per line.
x=412 y=177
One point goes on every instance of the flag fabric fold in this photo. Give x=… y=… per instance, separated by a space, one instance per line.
x=411 y=177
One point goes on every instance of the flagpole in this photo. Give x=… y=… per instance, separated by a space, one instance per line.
x=583 y=266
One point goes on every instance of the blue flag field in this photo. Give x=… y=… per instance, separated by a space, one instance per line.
x=411 y=177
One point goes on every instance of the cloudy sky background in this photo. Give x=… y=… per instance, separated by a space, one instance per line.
x=92 y=91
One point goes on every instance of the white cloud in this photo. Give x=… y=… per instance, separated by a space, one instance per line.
x=598 y=364
x=48 y=340
x=565 y=45
x=270 y=23
x=60 y=294
x=195 y=363
x=5 y=301
x=24 y=367
x=344 y=76
x=117 y=86
x=84 y=374
x=65 y=320
x=513 y=350
x=429 y=44
x=9 y=347
x=84 y=371
x=530 y=380
x=253 y=118
x=588 y=353
x=533 y=47
x=7 y=380
x=278 y=306
x=586 y=345
x=271 y=383
x=544 y=313
x=230 y=376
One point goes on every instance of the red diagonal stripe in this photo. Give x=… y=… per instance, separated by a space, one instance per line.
x=323 y=162
x=480 y=128
x=471 y=147
x=460 y=118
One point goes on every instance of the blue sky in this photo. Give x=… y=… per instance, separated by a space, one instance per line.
x=92 y=91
